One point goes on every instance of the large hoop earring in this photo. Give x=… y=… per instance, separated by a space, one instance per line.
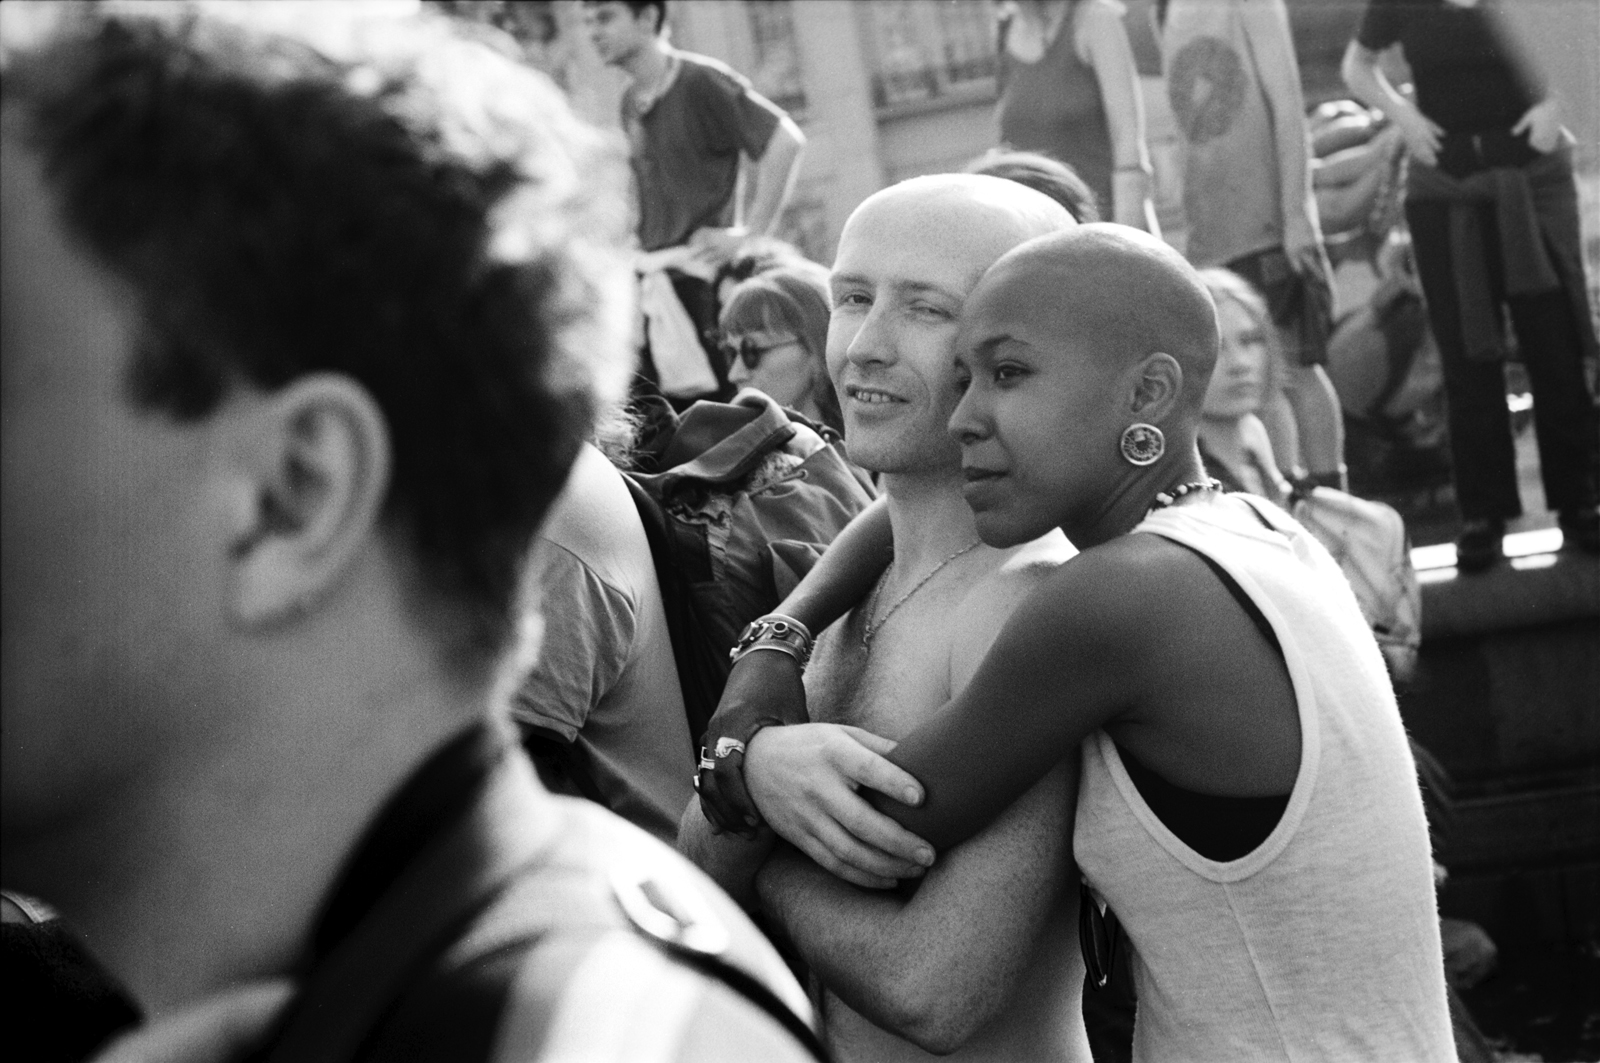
x=1142 y=444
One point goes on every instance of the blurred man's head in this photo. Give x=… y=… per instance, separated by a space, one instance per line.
x=297 y=324
x=908 y=257
x=621 y=28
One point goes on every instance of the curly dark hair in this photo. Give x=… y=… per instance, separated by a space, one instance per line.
x=375 y=197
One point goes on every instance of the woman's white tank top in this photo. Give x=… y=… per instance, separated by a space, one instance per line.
x=1322 y=943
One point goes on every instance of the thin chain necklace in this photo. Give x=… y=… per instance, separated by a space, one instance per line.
x=872 y=627
x=1166 y=498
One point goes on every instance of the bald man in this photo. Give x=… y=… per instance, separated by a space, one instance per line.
x=951 y=968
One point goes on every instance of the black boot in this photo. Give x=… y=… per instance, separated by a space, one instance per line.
x=1479 y=544
x=1580 y=528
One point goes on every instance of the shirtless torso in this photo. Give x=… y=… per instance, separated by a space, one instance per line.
x=1012 y=886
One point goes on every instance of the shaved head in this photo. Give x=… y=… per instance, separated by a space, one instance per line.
x=1120 y=293
x=909 y=257
x=1068 y=340
x=970 y=208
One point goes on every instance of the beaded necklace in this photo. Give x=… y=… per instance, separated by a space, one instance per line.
x=1167 y=498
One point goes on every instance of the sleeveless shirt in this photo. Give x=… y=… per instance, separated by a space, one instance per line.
x=1054 y=106
x=1323 y=942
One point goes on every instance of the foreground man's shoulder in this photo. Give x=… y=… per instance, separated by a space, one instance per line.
x=611 y=947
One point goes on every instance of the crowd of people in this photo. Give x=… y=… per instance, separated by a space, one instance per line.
x=423 y=513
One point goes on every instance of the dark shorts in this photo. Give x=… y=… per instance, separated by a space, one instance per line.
x=1301 y=306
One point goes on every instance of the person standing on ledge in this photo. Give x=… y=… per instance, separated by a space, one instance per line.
x=694 y=128
x=1493 y=213
x=713 y=161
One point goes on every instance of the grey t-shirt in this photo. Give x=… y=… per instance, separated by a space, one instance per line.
x=685 y=149
x=1231 y=189
x=606 y=679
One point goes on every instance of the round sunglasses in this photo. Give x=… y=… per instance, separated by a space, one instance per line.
x=749 y=352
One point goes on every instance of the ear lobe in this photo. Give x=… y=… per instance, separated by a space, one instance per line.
x=1157 y=387
x=318 y=456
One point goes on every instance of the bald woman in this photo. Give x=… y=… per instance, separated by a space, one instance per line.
x=1248 y=806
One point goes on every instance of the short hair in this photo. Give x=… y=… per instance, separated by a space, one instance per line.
x=1227 y=286
x=373 y=196
x=792 y=299
x=639 y=7
x=757 y=254
x=1042 y=173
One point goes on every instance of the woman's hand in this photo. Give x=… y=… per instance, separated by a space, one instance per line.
x=1543 y=126
x=763 y=690
x=804 y=780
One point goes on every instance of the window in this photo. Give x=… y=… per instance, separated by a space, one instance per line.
x=923 y=51
x=777 y=69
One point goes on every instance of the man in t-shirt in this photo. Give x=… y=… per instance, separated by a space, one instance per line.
x=713 y=161
x=602 y=710
x=693 y=125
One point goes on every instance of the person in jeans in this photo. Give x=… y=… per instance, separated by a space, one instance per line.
x=1494 y=223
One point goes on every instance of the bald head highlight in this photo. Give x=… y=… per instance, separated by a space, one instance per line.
x=1121 y=294
x=941 y=196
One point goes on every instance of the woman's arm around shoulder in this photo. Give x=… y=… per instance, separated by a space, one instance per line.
x=1075 y=656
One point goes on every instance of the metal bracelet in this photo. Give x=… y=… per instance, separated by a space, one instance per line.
x=771 y=644
x=774 y=628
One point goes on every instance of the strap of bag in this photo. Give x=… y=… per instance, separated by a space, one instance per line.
x=457 y=877
x=456 y=880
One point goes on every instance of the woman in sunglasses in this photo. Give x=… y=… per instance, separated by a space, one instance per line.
x=774 y=333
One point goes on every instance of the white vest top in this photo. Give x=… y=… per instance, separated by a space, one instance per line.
x=1322 y=943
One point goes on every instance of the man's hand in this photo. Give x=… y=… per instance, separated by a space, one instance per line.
x=1304 y=250
x=804 y=779
x=1420 y=132
x=1543 y=126
x=221 y=1029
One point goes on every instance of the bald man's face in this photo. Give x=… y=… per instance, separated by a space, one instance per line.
x=1038 y=418
x=905 y=267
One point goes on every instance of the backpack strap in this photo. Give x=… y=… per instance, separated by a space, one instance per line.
x=457 y=876
x=457 y=880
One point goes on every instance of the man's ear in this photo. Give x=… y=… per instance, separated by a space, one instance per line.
x=1157 y=384
x=314 y=459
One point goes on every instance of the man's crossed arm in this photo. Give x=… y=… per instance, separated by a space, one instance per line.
x=933 y=965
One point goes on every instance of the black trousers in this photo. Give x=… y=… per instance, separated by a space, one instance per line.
x=1480 y=426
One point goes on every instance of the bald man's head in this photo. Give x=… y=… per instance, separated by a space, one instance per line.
x=974 y=211
x=1119 y=294
x=908 y=259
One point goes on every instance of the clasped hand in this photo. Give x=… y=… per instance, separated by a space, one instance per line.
x=805 y=780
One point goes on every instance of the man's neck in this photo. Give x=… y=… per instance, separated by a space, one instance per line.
x=212 y=870
x=648 y=68
x=930 y=518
